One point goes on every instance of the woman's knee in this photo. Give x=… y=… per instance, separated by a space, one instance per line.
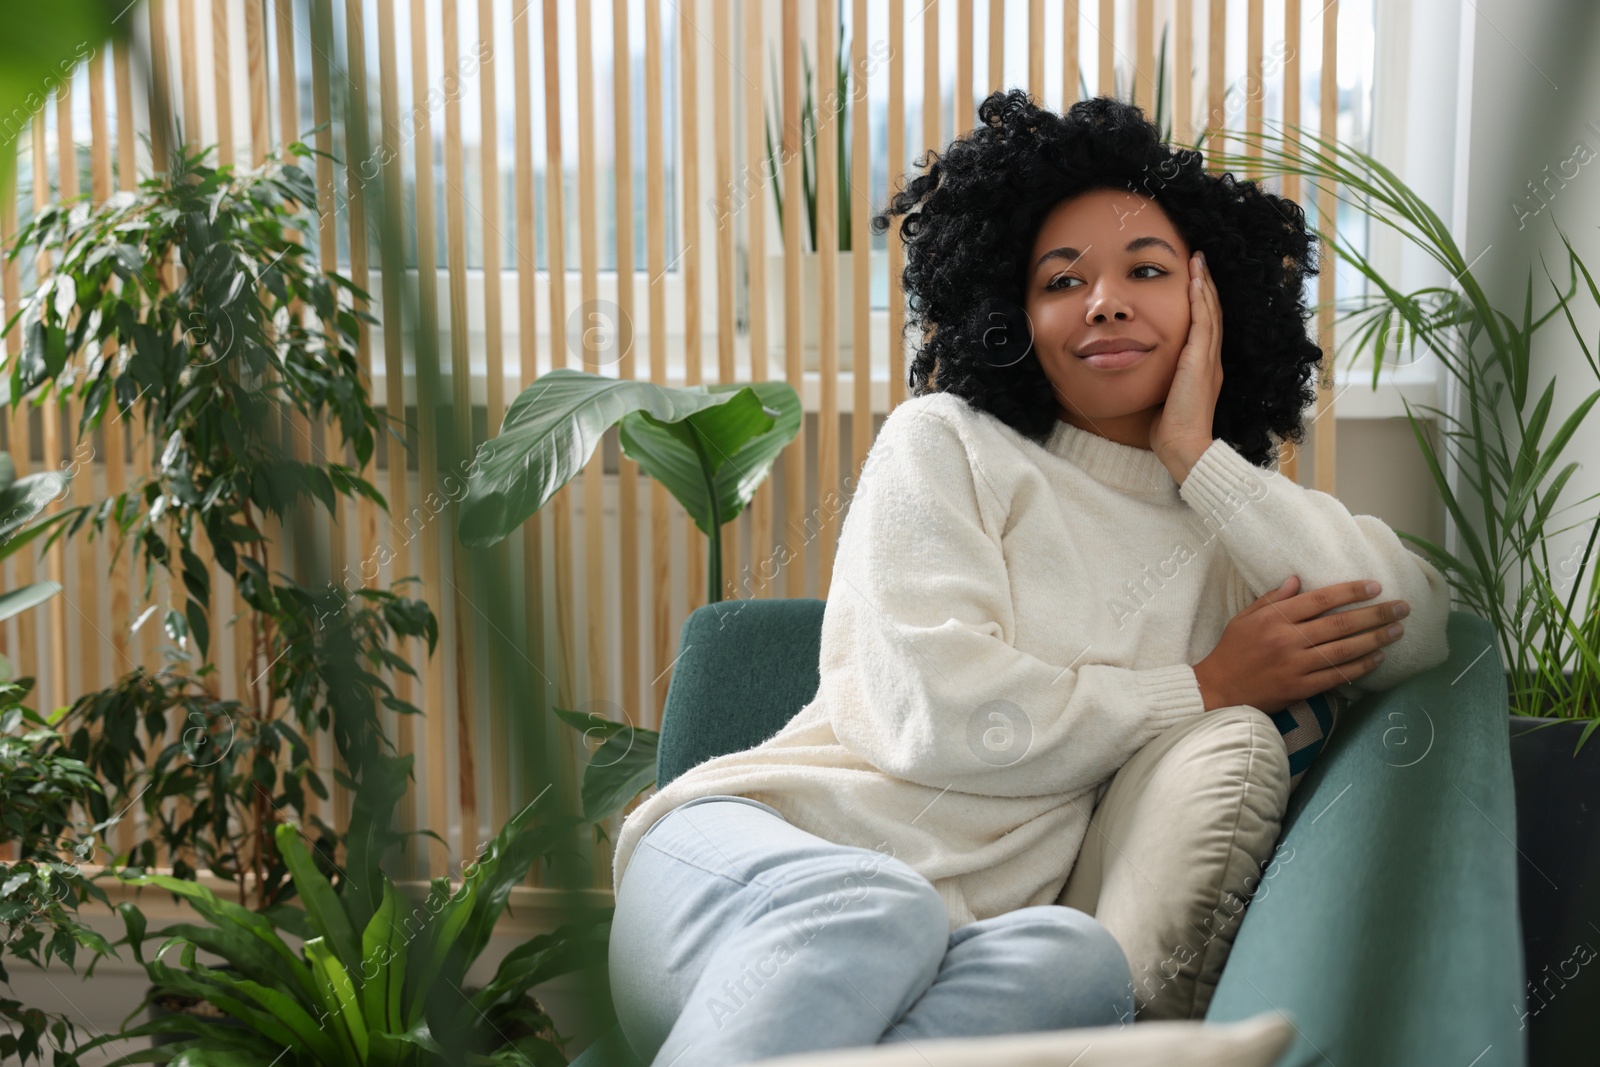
x=1070 y=950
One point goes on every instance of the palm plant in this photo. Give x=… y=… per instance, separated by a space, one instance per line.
x=1503 y=572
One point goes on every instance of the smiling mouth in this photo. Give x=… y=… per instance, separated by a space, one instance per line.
x=1113 y=360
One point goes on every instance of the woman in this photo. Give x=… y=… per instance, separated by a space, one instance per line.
x=1053 y=556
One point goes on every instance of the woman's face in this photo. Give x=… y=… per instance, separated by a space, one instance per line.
x=1108 y=265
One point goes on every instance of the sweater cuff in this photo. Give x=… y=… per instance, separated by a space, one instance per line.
x=1221 y=482
x=1171 y=693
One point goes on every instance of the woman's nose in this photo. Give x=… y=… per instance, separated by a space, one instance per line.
x=1106 y=302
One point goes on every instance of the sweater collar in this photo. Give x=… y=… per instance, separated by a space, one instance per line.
x=1133 y=470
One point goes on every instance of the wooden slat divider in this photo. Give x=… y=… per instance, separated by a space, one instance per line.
x=794 y=457
x=434 y=588
x=461 y=586
x=755 y=580
x=556 y=733
x=656 y=265
x=499 y=764
x=860 y=193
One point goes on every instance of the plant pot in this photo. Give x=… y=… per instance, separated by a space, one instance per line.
x=811 y=308
x=1558 y=839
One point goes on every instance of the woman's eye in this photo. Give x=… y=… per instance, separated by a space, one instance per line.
x=1060 y=280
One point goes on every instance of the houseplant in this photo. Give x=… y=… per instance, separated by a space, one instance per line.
x=710 y=445
x=378 y=977
x=43 y=885
x=211 y=364
x=836 y=103
x=1506 y=515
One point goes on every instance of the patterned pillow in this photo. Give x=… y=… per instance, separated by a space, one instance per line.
x=1306 y=726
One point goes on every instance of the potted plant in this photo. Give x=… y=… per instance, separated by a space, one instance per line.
x=836 y=102
x=376 y=977
x=710 y=445
x=211 y=364
x=1550 y=643
x=43 y=884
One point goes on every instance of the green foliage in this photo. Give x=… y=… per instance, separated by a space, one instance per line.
x=42 y=889
x=1503 y=572
x=711 y=446
x=211 y=367
x=837 y=99
x=383 y=985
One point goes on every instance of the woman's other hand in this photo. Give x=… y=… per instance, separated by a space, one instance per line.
x=1284 y=647
x=1181 y=431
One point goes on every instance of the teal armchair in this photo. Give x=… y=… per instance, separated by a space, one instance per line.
x=1390 y=935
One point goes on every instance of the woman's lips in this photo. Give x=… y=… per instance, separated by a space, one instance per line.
x=1113 y=360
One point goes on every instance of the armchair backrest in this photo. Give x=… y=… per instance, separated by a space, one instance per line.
x=744 y=669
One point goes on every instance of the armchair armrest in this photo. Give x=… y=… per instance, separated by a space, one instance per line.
x=1387 y=925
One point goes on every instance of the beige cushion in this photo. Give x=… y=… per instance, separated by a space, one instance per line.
x=1254 y=1042
x=1179 y=841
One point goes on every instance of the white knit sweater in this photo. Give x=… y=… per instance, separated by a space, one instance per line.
x=1008 y=624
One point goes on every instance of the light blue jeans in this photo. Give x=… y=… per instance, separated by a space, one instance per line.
x=738 y=936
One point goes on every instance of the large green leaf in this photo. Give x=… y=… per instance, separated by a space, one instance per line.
x=19 y=600
x=709 y=445
x=619 y=770
x=324 y=911
x=715 y=460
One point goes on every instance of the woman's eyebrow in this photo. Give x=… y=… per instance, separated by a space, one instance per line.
x=1071 y=254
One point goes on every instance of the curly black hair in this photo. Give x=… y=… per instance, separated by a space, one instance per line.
x=971 y=219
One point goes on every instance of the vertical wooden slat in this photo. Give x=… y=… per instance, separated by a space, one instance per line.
x=1216 y=76
x=656 y=264
x=755 y=214
x=694 y=541
x=1183 y=75
x=222 y=82
x=1035 y=49
x=115 y=582
x=116 y=427
x=561 y=505
x=794 y=470
x=1107 y=32
x=595 y=601
x=18 y=417
x=438 y=772
x=828 y=297
x=461 y=591
x=127 y=181
x=55 y=559
x=961 y=92
x=896 y=147
x=81 y=659
x=722 y=138
x=1326 y=430
x=359 y=160
x=1070 y=77
x=997 y=47
x=393 y=298
x=255 y=39
x=1144 y=51
x=860 y=242
x=1255 y=88
x=122 y=70
x=160 y=87
x=1292 y=183
x=489 y=154
x=189 y=65
x=930 y=76
x=1291 y=92
x=338 y=804
x=627 y=470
